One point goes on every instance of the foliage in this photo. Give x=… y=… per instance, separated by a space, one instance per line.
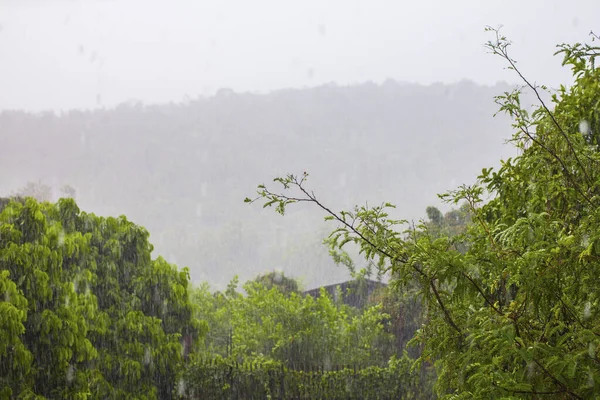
x=68 y=191
x=264 y=379
x=451 y=224
x=37 y=190
x=86 y=313
x=512 y=302
x=290 y=328
x=278 y=280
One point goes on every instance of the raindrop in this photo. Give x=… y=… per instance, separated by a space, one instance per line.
x=592 y=350
x=156 y=296
x=81 y=49
x=310 y=73
x=585 y=240
x=322 y=29
x=61 y=239
x=530 y=369
x=587 y=310
x=204 y=157
x=147 y=356
x=584 y=127
x=203 y=189
x=184 y=348
x=198 y=210
x=342 y=180
x=327 y=362
x=181 y=387
x=7 y=297
x=93 y=57
x=70 y=374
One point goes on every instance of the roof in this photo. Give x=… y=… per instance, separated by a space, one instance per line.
x=355 y=293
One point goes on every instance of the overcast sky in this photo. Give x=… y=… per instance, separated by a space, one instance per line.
x=59 y=54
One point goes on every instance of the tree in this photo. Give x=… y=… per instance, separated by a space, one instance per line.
x=299 y=331
x=278 y=280
x=68 y=191
x=37 y=190
x=435 y=215
x=86 y=312
x=512 y=302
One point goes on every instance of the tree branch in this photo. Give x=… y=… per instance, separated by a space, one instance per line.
x=556 y=381
x=501 y=49
x=310 y=197
x=447 y=315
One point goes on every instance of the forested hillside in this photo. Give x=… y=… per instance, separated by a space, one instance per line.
x=182 y=170
x=495 y=298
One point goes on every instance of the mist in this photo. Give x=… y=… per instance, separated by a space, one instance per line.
x=172 y=112
x=64 y=54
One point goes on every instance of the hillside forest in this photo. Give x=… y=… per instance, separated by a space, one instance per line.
x=180 y=170
x=491 y=294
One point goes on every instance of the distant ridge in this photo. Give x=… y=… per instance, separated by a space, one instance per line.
x=182 y=170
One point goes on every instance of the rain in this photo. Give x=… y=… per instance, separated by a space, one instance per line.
x=306 y=200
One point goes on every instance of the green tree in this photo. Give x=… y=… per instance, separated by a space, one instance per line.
x=86 y=312
x=278 y=280
x=297 y=330
x=512 y=302
x=215 y=310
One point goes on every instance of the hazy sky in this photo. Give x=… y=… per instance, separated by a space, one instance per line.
x=58 y=54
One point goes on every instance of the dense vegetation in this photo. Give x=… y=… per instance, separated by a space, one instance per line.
x=220 y=379
x=499 y=296
x=297 y=330
x=85 y=311
x=512 y=302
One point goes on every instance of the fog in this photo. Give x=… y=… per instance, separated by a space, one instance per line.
x=172 y=112
x=82 y=54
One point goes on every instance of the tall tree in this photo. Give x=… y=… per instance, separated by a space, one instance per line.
x=86 y=312
x=512 y=303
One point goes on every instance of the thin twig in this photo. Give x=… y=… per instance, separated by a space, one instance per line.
x=504 y=53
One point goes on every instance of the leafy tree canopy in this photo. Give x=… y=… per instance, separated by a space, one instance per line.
x=85 y=312
x=278 y=280
x=296 y=330
x=512 y=302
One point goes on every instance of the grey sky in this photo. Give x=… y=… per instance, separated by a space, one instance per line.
x=80 y=54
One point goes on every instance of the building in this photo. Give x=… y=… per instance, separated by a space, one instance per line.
x=355 y=293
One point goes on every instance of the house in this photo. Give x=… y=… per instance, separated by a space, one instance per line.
x=355 y=293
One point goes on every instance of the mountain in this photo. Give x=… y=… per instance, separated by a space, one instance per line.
x=183 y=170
